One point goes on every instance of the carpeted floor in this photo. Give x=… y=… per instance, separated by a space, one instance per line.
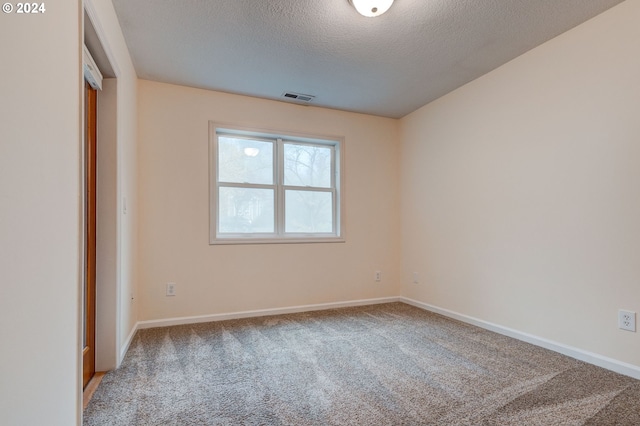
x=390 y=364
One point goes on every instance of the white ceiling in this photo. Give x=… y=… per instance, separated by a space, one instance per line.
x=389 y=66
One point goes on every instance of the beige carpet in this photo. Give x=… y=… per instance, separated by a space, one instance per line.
x=389 y=364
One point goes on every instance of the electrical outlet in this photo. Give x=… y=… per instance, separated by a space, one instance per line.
x=171 y=289
x=416 y=278
x=377 y=276
x=627 y=320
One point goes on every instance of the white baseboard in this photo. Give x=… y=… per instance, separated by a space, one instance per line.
x=589 y=357
x=125 y=347
x=260 y=313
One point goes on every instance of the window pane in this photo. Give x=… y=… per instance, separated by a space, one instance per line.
x=245 y=161
x=308 y=211
x=307 y=165
x=245 y=210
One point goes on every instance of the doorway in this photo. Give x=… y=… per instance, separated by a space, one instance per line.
x=89 y=299
x=102 y=337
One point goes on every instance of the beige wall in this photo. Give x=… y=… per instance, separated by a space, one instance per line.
x=521 y=200
x=40 y=216
x=127 y=190
x=107 y=229
x=174 y=210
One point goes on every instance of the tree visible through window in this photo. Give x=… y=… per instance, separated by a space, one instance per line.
x=274 y=188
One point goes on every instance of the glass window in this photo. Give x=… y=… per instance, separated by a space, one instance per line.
x=245 y=160
x=269 y=187
x=308 y=211
x=307 y=165
x=246 y=210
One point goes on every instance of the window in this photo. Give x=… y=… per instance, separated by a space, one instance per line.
x=274 y=188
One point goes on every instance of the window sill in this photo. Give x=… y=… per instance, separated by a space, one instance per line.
x=301 y=240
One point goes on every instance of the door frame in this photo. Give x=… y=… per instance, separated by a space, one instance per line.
x=108 y=283
x=90 y=242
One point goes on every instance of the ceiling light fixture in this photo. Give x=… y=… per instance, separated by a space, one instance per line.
x=371 y=8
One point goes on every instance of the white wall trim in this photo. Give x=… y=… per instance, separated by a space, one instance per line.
x=112 y=303
x=92 y=11
x=260 y=313
x=579 y=354
x=125 y=346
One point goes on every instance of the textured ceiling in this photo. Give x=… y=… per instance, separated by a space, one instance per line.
x=389 y=66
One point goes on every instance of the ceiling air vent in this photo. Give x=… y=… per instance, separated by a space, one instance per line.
x=298 y=97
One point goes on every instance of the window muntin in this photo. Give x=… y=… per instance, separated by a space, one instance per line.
x=269 y=187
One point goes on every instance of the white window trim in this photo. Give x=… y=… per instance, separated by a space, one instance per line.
x=338 y=187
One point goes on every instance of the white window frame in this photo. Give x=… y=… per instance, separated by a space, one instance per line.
x=279 y=139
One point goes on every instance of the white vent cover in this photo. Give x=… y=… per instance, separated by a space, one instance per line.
x=298 y=97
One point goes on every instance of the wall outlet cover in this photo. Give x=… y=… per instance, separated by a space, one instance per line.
x=627 y=320
x=171 y=289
